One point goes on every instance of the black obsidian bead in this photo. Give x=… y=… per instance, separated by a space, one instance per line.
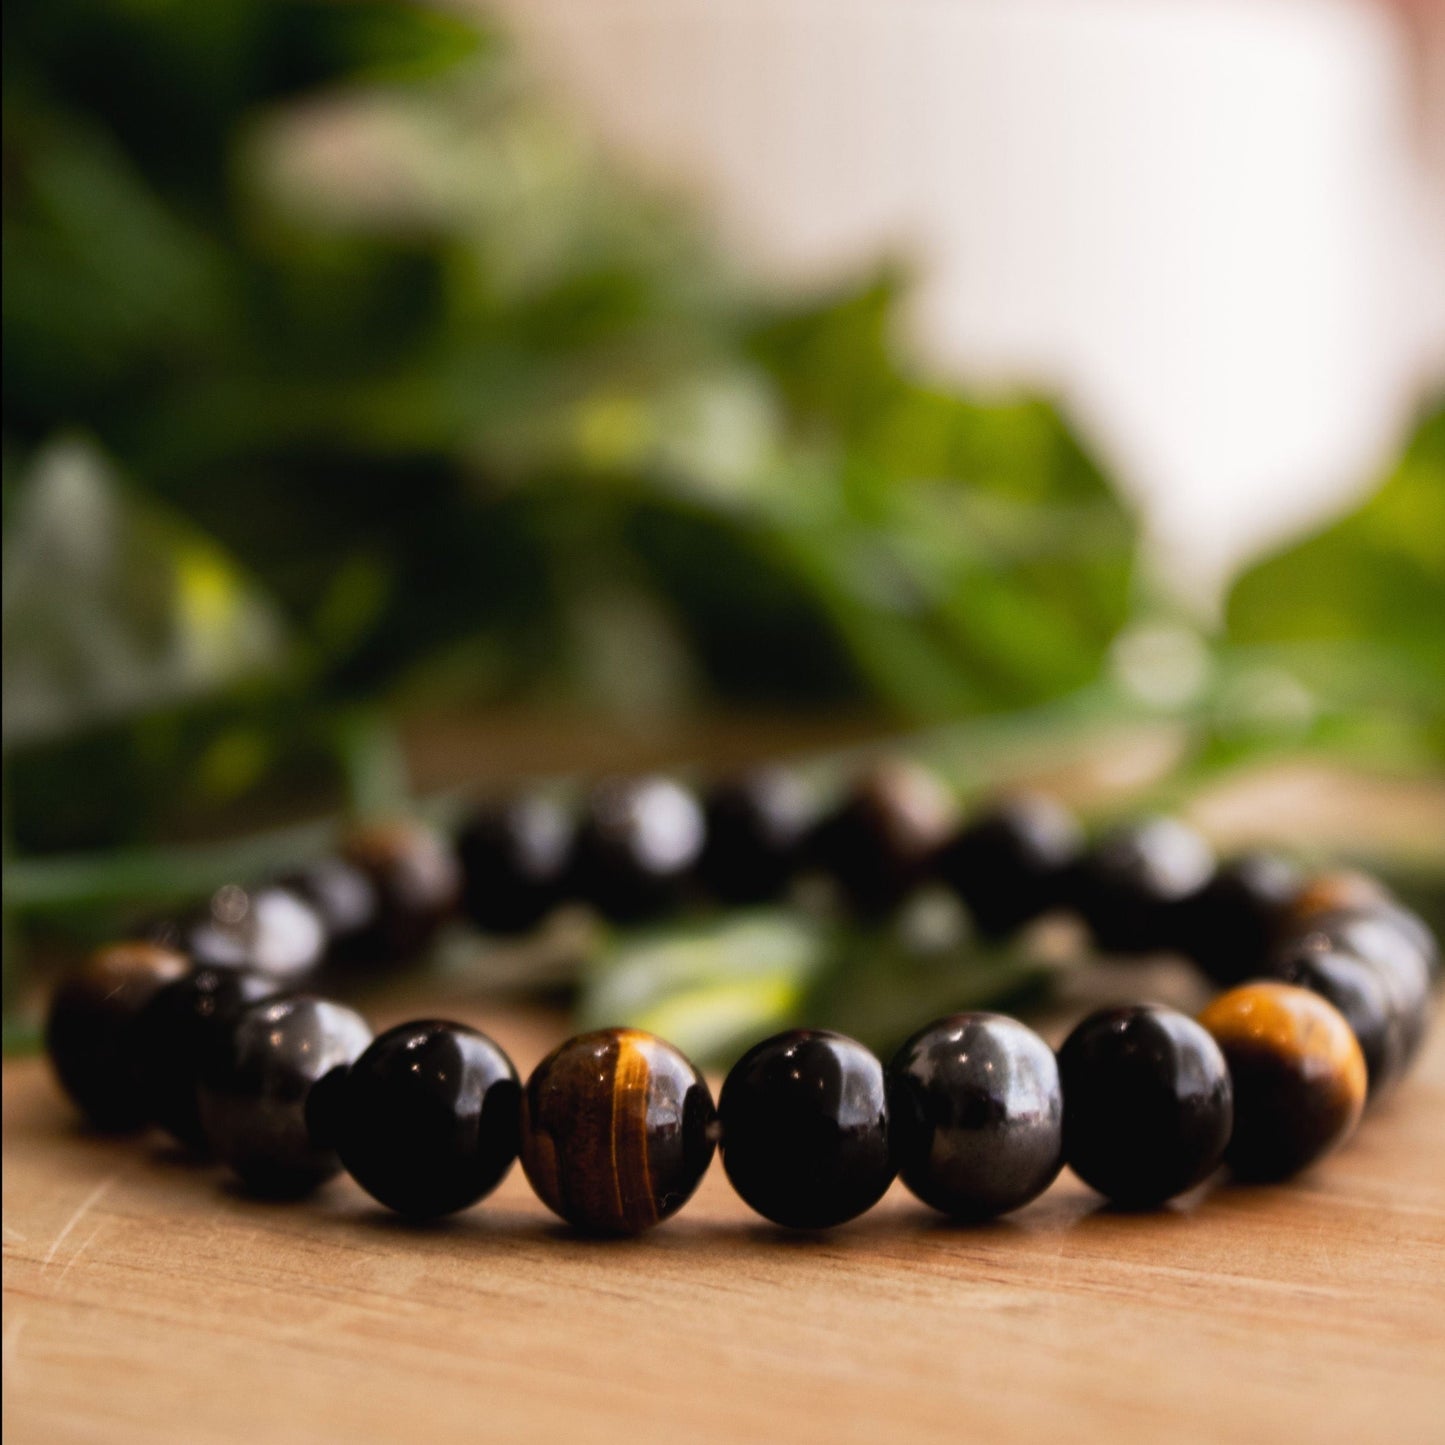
x=270 y=929
x=346 y=901
x=254 y=1088
x=514 y=856
x=1363 y=996
x=180 y=1027
x=1128 y=885
x=977 y=1115
x=417 y=881
x=880 y=841
x=637 y=847
x=617 y=1131
x=1298 y=1075
x=92 y=1033
x=1229 y=926
x=1148 y=1105
x=1010 y=864
x=756 y=827
x=426 y=1120
x=806 y=1138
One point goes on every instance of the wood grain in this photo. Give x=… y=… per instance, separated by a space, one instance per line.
x=145 y=1300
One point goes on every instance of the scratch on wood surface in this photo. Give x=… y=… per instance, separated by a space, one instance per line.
x=84 y=1208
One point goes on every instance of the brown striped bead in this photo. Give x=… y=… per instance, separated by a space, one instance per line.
x=617 y=1130
x=1298 y=1073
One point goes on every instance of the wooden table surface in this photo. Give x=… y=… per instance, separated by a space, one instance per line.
x=146 y=1300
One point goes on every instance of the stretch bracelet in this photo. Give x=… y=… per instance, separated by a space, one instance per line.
x=197 y=1026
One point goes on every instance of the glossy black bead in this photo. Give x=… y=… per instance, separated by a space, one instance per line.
x=637 y=847
x=426 y=1120
x=417 y=880
x=880 y=841
x=1010 y=864
x=180 y=1027
x=1127 y=887
x=271 y=929
x=254 y=1088
x=92 y=1033
x=1363 y=996
x=756 y=828
x=977 y=1115
x=1230 y=925
x=346 y=901
x=1148 y=1105
x=514 y=856
x=805 y=1129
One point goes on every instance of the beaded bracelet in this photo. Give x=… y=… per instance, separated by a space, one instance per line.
x=193 y=1028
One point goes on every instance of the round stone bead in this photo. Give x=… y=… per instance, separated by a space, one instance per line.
x=1229 y=925
x=756 y=828
x=179 y=1028
x=271 y=929
x=637 y=846
x=417 y=881
x=977 y=1115
x=880 y=841
x=91 y=1032
x=1299 y=1076
x=1333 y=892
x=806 y=1138
x=1147 y=1103
x=514 y=855
x=617 y=1131
x=1363 y=996
x=254 y=1088
x=1009 y=865
x=1129 y=884
x=346 y=902
x=426 y=1120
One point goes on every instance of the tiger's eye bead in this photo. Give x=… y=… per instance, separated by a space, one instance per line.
x=1147 y=1103
x=636 y=849
x=417 y=881
x=270 y=929
x=879 y=842
x=514 y=856
x=1229 y=925
x=1128 y=884
x=426 y=1120
x=179 y=1028
x=344 y=899
x=254 y=1088
x=1299 y=1076
x=1334 y=892
x=977 y=1113
x=616 y=1131
x=91 y=1032
x=1009 y=865
x=805 y=1129
x=756 y=828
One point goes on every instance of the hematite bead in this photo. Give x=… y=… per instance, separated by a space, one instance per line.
x=346 y=901
x=254 y=1088
x=637 y=846
x=756 y=827
x=879 y=842
x=91 y=1031
x=1363 y=996
x=417 y=881
x=426 y=1120
x=1009 y=864
x=977 y=1114
x=270 y=929
x=1128 y=884
x=180 y=1026
x=1147 y=1103
x=1299 y=1076
x=514 y=856
x=1230 y=924
x=805 y=1129
x=616 y=1131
